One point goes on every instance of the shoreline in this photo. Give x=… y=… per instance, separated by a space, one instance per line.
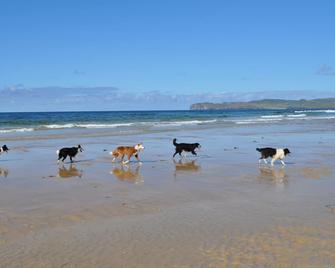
x=313 y=126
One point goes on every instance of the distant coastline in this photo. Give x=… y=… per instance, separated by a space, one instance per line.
x=326 y=103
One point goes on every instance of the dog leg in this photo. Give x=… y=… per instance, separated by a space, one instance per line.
x=283 y=163
x=137 y=157
x=265 y=161
x=114 y=158
x=127 y=161
x=272 y=162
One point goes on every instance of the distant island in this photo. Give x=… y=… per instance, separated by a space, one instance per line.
x=326 y=103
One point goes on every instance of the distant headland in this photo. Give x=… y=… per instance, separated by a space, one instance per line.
x=326 y=103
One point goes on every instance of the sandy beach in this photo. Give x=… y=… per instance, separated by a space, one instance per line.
x=220 y=209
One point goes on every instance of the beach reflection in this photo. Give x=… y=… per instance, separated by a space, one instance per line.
x=184 y=165
x=274 y=175
x=69 y=172
x=4 y=172
x=128 y=173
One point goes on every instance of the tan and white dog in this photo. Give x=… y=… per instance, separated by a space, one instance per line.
x=130 y=151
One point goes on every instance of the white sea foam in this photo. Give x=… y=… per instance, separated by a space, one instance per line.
x=271 y=116
x=104 y=125
x=181 y=123
x=315 y=111
x=13 y=130
x=245 y=122
x=296 y=115
x=72 y=125
x=258 y=120
x=289 y=117
x=56 y=126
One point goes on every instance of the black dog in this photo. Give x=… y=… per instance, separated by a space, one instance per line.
x=186 y=147
x=71 y=152
x=4 y=149
x=274 y=153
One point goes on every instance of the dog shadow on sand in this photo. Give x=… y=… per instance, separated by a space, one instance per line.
x=128 y=173
x=274 y=175
x=69 y=172
x=184 y=165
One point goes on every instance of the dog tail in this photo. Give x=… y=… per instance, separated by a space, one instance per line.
x=175 y=142
x=259 y=149
x=57 y=152
x=111 y=153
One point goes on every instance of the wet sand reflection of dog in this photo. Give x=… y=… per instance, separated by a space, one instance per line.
x=70 y=172
x=4 y=172
x=274 y=175
x=128 y=174
x=186 y=166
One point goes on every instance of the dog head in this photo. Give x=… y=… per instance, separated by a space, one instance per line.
x=286 y=151
x=5 y=148
x=139 y=147
x=197 y=145
x=80 y=149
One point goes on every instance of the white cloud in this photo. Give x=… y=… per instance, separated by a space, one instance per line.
x=325 y=70
x=19 y=98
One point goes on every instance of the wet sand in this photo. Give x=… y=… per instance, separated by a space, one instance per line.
x=220 y=209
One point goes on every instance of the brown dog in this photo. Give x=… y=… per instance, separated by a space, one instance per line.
x=130 y=151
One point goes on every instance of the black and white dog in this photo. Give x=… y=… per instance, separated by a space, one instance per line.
x=71 y=152
x=274 y=153
x=185 y=147
x=4 y=149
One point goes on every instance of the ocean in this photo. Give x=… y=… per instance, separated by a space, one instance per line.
x=150 y=121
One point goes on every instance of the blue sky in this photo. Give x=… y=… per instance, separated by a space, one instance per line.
x=213 y=50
